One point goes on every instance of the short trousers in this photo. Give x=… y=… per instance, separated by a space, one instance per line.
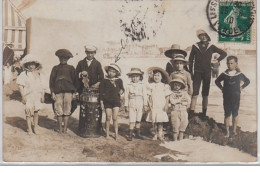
x=33 y=104
x=205 y=78
x=135 y=109
x=62 y=105
x=231 y=103
x=111 y=105
x=179 y=121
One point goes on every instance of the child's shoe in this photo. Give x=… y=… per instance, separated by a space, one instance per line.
x=130 y=137
x=138 y=134
x=155 y=137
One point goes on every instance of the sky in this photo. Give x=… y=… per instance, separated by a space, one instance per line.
x=177 y=25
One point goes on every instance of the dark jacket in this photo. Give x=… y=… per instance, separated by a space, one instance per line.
x=231 y=83
x=110 y=92
x=95 y=73
x=63 y=79
x=201 y=57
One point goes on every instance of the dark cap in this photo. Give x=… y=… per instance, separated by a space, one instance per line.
x=63 y=53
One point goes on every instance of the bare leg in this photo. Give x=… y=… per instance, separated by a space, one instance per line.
x=35 y=121
x=59 y=123
x=175 y=136
x=181 y=136
x=235 y=122
x=160 y=131
x=193 y=103
x=155 y=131
x=29 y=125
x=227 y=124
x=108 y=117
x=66 y=119
x=115 y=124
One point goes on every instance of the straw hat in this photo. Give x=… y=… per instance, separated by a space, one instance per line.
x=29 y=58
x=175 y=49
x=200 y=31
x=90 y=48
x=181 y=58
x=165 y=76
x=63 y=53
x=114 y=66
x=178 y=80
x=135 y=71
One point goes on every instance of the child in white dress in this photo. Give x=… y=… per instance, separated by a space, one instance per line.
x=135 y=101
x=158 y=92
x=32 y=91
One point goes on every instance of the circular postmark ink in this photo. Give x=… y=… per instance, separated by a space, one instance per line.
x=231 y=18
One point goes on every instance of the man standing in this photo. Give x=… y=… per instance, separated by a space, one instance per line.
x=200 y=68
x=91 y=68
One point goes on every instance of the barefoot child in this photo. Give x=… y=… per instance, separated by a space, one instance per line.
x=135 y=101
x=231 y=90
x=63 y=88
x=180 y=101
x=111 y=88
x=158 y=100
x=32 y=91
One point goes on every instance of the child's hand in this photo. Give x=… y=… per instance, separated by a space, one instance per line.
x=84 y=73
x=23 y=100
x=96 y=85
x=126 y=108
x=145 y=108
x=165 y=108
x=53 y=96
x=121 y=92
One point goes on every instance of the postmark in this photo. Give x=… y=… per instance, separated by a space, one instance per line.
x=231 y=19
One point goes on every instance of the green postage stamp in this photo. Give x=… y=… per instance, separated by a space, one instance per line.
x=232 y=20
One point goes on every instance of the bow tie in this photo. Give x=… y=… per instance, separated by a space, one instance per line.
x=176 y=72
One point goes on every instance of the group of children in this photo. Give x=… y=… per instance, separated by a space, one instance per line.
x=166 y=97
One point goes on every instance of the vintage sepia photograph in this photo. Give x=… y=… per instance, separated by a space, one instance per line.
x=129 y=82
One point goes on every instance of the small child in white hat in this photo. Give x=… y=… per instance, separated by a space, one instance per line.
x=111 y=88
x=180 y=101
x=135 y=101
x=32 y=91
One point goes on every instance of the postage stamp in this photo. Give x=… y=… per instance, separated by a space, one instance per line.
x=232 y=19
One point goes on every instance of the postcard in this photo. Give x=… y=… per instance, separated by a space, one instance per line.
x=129 y=82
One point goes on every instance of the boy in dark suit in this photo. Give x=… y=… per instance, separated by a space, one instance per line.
x=91 y=68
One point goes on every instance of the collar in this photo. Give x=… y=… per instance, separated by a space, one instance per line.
x=131 y=83
x=89 y=60
x=197 y=46
x=180 y=71
x=227 y=73
x=111 y=79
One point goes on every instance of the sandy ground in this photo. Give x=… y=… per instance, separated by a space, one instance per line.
x=49 y=146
